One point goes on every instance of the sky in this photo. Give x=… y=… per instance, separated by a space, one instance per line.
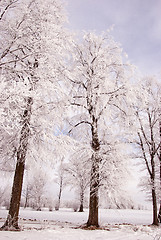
x=137 y=27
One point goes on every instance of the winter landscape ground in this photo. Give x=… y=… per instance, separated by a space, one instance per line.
x=66 y=225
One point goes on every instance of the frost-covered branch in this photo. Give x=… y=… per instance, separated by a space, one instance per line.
x=10 y=3
x=76 y=125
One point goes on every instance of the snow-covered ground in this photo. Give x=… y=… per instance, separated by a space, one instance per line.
x=64 y=225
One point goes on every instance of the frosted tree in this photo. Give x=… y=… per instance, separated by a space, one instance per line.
x=4 y=194
x=146 y=122
x=35 y=189
x=27 y=194
x=98 y=91
x=78 y=175
x=32 y=54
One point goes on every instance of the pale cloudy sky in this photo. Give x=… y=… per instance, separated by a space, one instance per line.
x=137 y=27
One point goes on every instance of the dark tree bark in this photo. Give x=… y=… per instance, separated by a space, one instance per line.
x=12 y=218
x=151 y=165
x=153 y=175
x=26 y=202
x=60 y=193
x=81 y=208
x=154 y=199
x=159 y=155
x=94 y=198
x=159 y=214
x=81 y=199
x=26 y=198
x=94 y=180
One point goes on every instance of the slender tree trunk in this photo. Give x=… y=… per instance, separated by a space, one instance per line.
x=26 y=202
x=153 y=175
x=154 y=198
x=94 y=180
x=26 y=198
x=12 y=218
x=81 y=207
x=60 y=193
x=159 y=214
x=81 y=200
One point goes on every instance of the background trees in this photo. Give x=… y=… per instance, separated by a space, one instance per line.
x=147 y=118
x=78 y=175
x=34 y=188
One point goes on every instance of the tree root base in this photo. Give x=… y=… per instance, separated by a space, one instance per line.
x=10 y=228
x=92 y=227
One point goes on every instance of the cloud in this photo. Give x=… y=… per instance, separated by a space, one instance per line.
x=137 y=26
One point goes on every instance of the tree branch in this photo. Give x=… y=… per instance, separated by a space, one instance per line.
x=76 y=125
x=15 y=60
x=144 y=155
x=6 y=8
x=79 y=105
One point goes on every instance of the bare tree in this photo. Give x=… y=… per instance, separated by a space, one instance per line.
x=4 y=193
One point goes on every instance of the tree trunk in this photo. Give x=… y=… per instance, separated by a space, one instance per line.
x=153 y=177
x=59 y=196
x=93 y=203
x=154 y=198
x=159 y=214
x=94 y=181
x=81 y=200
x=26 y=199
x=12 y=218
x=155 y=218
x=81 y=208
x=26 y=203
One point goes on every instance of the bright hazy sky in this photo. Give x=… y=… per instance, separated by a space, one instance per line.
x=137 y=27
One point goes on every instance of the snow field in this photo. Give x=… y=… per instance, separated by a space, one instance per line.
x=63 y=225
